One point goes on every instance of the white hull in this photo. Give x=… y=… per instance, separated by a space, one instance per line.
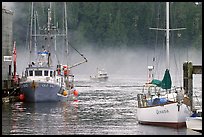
x=99 y=78
x=164 y=115
x=194 y=123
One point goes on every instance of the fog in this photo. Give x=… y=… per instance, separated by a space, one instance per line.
x=119 y=62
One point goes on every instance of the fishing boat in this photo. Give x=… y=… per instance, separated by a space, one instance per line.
x=43 y=81
x=101 y=75
x=194 y=122
x=160 y=103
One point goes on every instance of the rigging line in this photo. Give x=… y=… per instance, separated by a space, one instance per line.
x=149 y=39
x=55 y=38
x=55 y=52
x=174 y=51
x=158 y=23
x=27 y=37
x=63 y=32
x=78 y=52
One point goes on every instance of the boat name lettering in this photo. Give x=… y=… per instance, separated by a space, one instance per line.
x=46 y=85
x=25 y=85
x=162 y=111
x=51 y=86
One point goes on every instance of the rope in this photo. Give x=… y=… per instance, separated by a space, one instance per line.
x=10 y=93
x=78 y=51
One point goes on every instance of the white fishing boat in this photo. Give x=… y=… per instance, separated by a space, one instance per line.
x=194 y=122
x=101 y=75
x=159 y=103
x=42 y=80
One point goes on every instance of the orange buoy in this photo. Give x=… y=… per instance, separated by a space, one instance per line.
x=75 y=92
x=21 y=97
x=64 y=92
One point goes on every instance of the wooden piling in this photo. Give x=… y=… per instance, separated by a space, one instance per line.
x=188 y=71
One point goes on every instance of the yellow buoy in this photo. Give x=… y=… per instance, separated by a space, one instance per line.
x=64 y=92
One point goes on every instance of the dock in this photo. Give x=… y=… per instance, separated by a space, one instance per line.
x=10 y=99
x=10 y=79
x=188 y=70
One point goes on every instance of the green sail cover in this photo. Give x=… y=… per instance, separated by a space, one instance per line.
x=156 y=82
x=165 y=83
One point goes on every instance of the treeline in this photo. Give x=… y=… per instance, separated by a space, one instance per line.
x=117 y=24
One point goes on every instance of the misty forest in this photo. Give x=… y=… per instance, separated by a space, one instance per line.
x=117 y=24
x=99 y=26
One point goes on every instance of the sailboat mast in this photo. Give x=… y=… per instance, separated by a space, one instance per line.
x=167 y=35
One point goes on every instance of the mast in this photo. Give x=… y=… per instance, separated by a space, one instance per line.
x=66 y=29
x=35 y=22
x=31 y=26
x=14 y=61
x=167 y=35
x=49 y=18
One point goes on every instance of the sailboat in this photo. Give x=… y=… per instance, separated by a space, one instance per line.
x=160 y=104
x=42 y=81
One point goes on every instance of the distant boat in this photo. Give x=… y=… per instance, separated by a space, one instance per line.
x=101 y=75
x=43 y=82
x=194 y=122
x=159 y=103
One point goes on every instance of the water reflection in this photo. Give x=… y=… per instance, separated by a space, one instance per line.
x=42 y=118
x=100 y=109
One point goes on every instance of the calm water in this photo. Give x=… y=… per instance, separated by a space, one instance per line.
x=102 y=108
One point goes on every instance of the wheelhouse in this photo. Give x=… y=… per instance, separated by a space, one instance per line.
x=39 y=72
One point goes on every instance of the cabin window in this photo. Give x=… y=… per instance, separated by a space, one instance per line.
x=50 y=73
x=30 y=73
x=46 y=73
x=38 y=73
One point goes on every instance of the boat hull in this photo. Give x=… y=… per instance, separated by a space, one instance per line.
x=99 y=78
x=169 y=115
x=194 y=123
x=41 y=92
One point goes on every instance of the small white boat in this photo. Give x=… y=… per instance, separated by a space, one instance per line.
x=194 y=122
x=100 y=76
